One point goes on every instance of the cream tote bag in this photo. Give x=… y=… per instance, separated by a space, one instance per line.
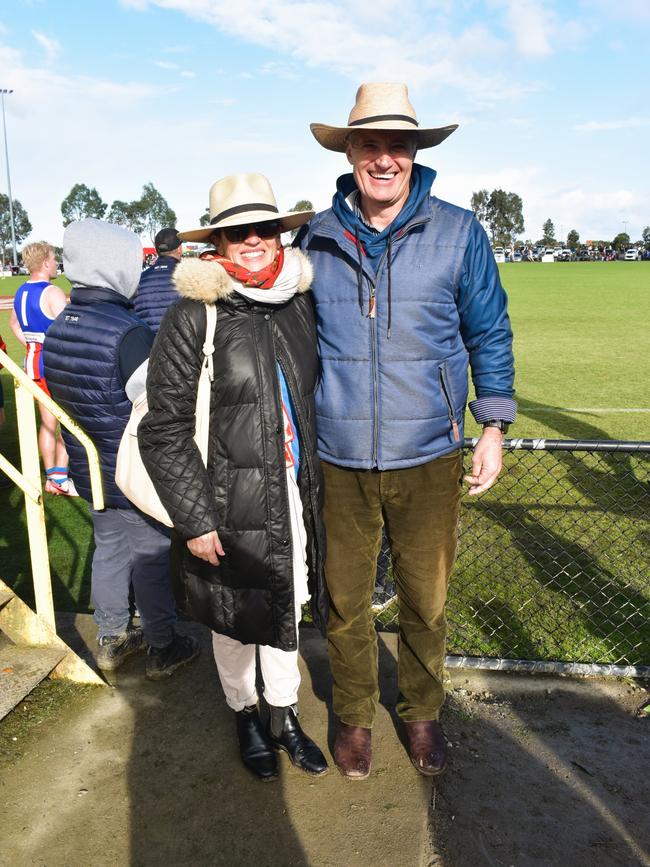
x=131 y=476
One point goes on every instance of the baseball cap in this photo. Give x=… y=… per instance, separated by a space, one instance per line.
x=166 y=240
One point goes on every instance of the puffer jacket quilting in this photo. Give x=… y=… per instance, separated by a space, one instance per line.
x=156 y=291
x=242 y=492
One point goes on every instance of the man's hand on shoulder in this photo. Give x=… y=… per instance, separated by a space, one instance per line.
x=486 y=461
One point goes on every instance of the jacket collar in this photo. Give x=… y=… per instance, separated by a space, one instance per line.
x=327 y=225
x=208 y=283
x=97 y=294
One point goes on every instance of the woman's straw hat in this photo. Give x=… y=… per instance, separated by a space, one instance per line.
x=237 y=200
x=384 y=106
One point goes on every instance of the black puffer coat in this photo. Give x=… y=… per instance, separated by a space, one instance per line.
x=243 y=491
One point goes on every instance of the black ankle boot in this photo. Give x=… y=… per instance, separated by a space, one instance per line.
x=255 y=747
x=287 y=735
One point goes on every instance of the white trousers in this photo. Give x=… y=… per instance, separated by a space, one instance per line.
x=236 y=662
x=237 y=671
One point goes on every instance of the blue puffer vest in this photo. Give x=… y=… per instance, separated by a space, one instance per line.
x=393 y=388
x=81 y=357
x=156 y=291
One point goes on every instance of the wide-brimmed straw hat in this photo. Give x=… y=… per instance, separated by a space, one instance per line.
x=383 y=106
x=237 y=200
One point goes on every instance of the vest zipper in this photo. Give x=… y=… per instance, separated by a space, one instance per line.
x=450 y=408
x=372 y=285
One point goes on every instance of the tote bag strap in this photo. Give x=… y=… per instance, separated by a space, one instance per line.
x=208 y=345
x=202 y=430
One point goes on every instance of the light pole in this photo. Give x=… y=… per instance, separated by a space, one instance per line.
x=4 y=91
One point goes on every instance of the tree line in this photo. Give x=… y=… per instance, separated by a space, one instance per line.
x=500 y=213
x=146 y=215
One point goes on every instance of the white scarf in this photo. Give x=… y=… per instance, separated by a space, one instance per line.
x=285 y=286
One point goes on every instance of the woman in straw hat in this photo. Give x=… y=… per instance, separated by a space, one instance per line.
x=251 y=519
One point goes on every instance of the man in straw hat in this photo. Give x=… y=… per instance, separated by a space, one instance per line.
x=407 y=293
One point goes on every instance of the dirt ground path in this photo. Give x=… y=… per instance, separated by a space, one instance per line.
x=543 y=771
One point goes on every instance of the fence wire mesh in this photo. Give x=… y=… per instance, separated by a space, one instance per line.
x=554 y=561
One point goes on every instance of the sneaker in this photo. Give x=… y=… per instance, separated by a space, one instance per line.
x=65 y=489
x=112 y=650
x=163 y=661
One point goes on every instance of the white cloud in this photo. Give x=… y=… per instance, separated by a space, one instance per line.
x=165 y=64
x=605 y=125
x=531 y=24
x=419 y=46
x=187 y=73
x=49 y=45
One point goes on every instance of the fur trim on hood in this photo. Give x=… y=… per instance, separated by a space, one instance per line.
x=208 y=282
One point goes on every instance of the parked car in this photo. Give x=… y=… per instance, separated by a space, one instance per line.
x=631 y=254
x=499 y=254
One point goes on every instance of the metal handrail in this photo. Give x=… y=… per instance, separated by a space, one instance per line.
x=29 y=479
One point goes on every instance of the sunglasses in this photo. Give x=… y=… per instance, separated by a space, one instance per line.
x=265 y=230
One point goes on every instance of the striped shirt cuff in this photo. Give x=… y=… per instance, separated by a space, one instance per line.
x=487 y=408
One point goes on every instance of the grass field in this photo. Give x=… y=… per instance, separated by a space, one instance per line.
x=583 y=371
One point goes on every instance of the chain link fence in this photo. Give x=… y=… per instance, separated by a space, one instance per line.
x=553 y=566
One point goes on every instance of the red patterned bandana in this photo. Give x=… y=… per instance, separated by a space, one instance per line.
x=263 y=279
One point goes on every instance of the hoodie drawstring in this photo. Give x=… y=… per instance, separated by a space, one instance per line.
x=390 y=306
x=360 y=271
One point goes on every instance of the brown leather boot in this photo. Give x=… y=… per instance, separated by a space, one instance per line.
x=427 y=747
x=353 y=751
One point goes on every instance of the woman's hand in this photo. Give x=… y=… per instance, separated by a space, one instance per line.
x=206 y=547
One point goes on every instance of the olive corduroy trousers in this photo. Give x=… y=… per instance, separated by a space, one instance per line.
x=418 y=506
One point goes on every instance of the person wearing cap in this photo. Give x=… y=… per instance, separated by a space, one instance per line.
x=250 y=521
x=94 y=356
x=407 y=296
x=156 y=290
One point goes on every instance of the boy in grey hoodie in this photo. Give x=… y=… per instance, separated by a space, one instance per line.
x=95 y=358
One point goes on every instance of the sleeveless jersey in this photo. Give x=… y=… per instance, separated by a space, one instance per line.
x=34 y=323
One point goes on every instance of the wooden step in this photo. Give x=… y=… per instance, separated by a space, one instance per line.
x=6 y=595
x=24 y=627
x=22 y=669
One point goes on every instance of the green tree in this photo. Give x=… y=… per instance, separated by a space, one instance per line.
x=301 y=205
x=646 y=237
x=127 y=214
x=501 y=213
x=572 y=239
x=480 y=206
x=22 y=226
x=156 y=213
x=82 y=202
x=205 y=218
x=548 y=229
x=621 y=241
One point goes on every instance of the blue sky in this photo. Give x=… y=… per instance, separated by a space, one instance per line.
x=551 y=98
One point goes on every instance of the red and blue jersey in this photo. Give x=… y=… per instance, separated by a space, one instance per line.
x=34 y=323
x=291 y=441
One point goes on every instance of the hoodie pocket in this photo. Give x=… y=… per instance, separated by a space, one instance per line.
x=449 y=401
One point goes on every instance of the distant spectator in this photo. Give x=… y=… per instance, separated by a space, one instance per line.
x=36 y=305
x=156 y=292
x=95 y=359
